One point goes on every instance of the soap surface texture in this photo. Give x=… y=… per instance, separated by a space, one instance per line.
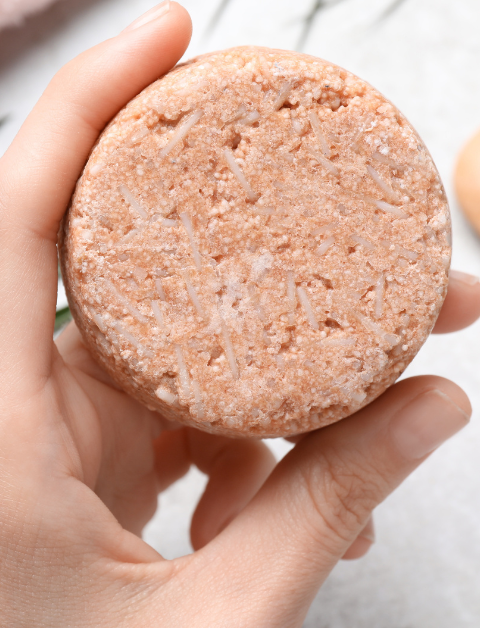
x=259 y=244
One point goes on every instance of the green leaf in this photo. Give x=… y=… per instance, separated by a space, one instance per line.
x=62 y=317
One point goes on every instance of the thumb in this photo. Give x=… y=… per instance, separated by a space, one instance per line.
x=323 y=492
x=39 y=171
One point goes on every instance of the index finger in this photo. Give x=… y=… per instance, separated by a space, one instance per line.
x=39 y=171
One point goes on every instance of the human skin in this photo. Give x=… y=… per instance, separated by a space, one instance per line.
x=81 y=463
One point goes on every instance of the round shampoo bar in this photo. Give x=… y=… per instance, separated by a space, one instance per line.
x=259 y=244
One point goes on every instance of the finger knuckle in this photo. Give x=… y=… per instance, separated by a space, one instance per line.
x=342 y=495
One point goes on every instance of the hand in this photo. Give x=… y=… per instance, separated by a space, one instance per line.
x=81 y=463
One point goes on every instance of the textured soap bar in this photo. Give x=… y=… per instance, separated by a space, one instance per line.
x=259 y=244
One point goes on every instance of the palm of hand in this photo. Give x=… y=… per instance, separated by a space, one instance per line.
x=111 y=436
x=104 y=460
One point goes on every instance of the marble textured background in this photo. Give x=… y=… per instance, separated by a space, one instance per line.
x=424 y=571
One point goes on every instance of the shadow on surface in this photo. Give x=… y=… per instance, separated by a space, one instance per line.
x=17 y=40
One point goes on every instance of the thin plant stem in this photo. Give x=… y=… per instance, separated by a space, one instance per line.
x=216 y=18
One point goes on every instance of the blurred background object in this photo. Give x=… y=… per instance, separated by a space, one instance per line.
x=14 y=11
x=467 y=180
x=423 y=571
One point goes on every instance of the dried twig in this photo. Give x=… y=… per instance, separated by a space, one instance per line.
x=390 y=10
x=319 y=5
x=216 y=17
x=309 y=19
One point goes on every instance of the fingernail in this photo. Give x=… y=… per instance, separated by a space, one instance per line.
x=154 y=13
x=470 y=280
x=425 y=423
